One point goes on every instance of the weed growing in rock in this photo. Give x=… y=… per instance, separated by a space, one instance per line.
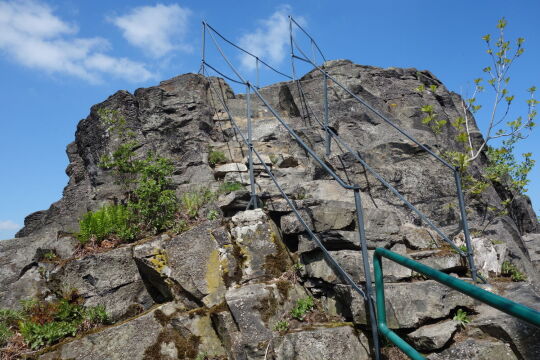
x=193 y=201
x=510 y=270
x=201 y=356
x=462 y=317
x=228 y=187
x=50 y=256
x=281 y=326
x=42 y=323
x=302 y=307
x=216 y=157
x=213 y=215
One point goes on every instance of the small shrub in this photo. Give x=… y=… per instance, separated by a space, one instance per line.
x=462 y=317
x=108 y=221
x=155 y=204
x=216 y=157
x=228 y=187
x=510 y=270
x=281 y=326
x=302 y=307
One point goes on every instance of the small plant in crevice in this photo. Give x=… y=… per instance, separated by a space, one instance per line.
x=281 y=326
x=273 y=159
x=510 y=270
x=212 y=215
x=193 y=201
x=228 y=187
x=302 y=307
x=216 y=157
x=461 y=317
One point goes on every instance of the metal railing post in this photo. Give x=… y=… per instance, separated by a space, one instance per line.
x=253 y=198
x=367 y=271
x=257 y=69
x=325 y=95
x=203 y=50
x=465 y=225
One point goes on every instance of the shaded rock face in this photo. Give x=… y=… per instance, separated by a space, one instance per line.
x=172 y=119
x=221 y=288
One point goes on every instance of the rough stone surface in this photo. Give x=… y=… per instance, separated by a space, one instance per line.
x=261 y=246
x=255 y=309
x=522 y=336
x=323 y=343
x=417 y=237
x=532 y=244
x=407 y=304
x=110 y=279
x=225 y=282
x=129 y=340
x=477 y=349
x=433 y=337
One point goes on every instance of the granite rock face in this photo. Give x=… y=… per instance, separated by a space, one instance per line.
x=226 y=287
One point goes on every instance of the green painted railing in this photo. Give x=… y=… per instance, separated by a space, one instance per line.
x=512 y=308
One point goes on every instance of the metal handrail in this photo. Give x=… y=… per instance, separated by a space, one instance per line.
x=457 y=176
x=334 y=264
x=498 y=302
x=384 y=182
x=330 y=134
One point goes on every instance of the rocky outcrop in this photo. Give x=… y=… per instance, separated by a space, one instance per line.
x=225 y=288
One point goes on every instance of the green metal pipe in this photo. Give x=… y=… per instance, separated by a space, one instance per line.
x=510 y=307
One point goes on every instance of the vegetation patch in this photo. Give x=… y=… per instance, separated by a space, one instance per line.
x=510 y=270
x=42 y=323
x=108 y=222
x=228 y=187
x=461 y=317
x=216 y=157
x=149 y=204
x=302 y=307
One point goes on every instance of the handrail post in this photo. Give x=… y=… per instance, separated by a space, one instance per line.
x=203 y=50
x=465 y=225
x=367 y=272
x=253 y=198
x=313 y=51
x=257 y=68
x=325 y=95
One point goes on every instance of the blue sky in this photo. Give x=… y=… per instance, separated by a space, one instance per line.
x=57 y=58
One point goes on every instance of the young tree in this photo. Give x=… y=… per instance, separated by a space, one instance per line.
x=502 y=160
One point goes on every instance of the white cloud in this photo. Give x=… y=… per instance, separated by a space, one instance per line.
x=270 y=40
x=31 y=35
x=157 y=30
x=9 y=225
